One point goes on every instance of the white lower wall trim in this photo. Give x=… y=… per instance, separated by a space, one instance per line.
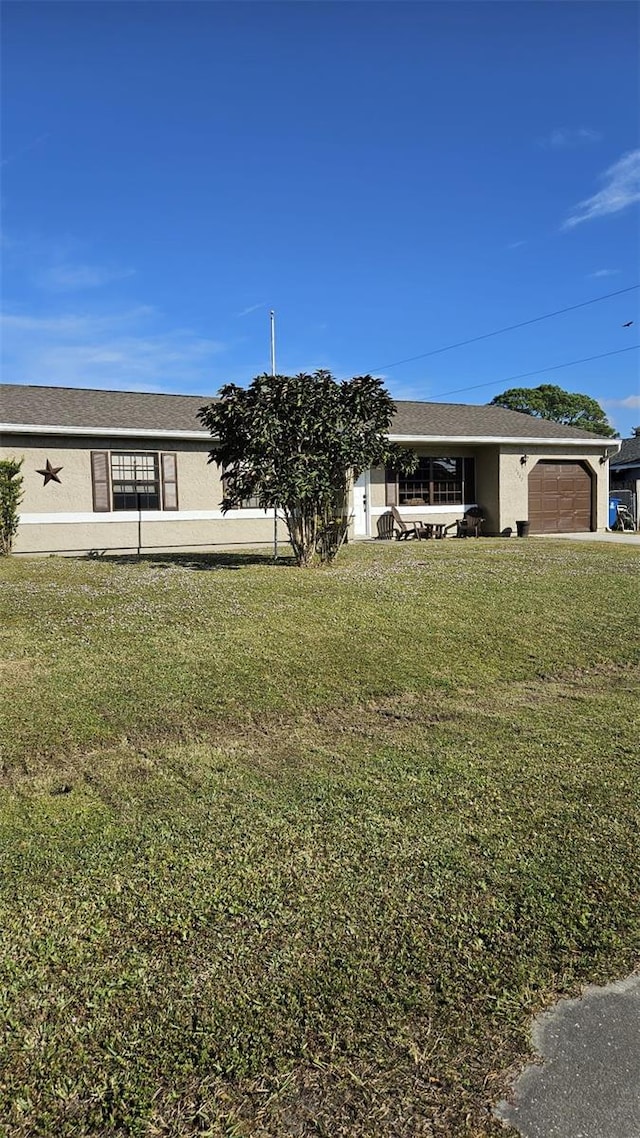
x=147 y=516
x=167 y=516
x=415 y=511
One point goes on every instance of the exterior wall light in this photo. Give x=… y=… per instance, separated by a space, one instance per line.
x=524 y=458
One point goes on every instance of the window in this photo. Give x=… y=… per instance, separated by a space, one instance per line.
x=139 y=480
x=435 y=482
x=135 y=481
x=250 y=503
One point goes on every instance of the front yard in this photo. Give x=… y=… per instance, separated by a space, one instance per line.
x=298 y=853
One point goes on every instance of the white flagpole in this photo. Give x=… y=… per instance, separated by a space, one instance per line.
x=272 y=322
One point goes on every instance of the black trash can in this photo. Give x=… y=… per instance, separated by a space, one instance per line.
x=522 y=528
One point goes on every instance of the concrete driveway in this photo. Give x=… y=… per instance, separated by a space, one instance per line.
x=615 y=536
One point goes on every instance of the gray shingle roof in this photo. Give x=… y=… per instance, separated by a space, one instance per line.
x=476 y=420
x=629 y=453
x=82 y=407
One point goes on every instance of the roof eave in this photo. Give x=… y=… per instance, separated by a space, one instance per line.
x=101 y=432
x=200 y=436
x=594 y=440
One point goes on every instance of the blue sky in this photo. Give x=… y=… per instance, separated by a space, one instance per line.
x=389 y=177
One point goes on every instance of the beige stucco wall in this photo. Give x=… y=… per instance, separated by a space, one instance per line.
x=122 y=537
x=502 y=486
x=514 y=480
x=488 y=487
x=199 y=485
x=377 y=486
x=501 y=489
x=199 y=489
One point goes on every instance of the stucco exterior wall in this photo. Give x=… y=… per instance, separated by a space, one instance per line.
x=80 y=529
x=488 y=487
x=377 y=487
x=59 y=517
x=156 y=535
x=502 y=483
x=199 y=485
x=514 y=480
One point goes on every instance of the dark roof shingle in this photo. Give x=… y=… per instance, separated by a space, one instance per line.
x=475 y=420
x=133 y=410
x=629 y=453
x=83 y=407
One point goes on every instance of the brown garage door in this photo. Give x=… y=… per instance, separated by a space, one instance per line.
x=559 y=498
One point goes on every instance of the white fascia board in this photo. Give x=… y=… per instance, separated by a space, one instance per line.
x=506 y=440
x=199 y=436
x=113 y=432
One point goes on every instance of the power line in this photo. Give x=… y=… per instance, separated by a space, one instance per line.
x=500 y=331
x=527 y=374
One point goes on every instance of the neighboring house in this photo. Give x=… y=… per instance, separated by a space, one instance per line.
x=625 y=472
x=116 y=470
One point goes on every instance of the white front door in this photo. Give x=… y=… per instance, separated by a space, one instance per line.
x=361 y=506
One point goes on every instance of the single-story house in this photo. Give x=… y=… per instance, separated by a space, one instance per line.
x=119 y=470
x=625 y=472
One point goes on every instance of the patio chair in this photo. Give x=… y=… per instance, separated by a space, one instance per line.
x=386 y=527
x=405 y=530
x=470 y=525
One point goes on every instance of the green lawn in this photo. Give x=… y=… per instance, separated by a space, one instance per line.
x=293 y=853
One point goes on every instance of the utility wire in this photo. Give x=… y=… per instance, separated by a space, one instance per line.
x=527 y=374
x=500 y=331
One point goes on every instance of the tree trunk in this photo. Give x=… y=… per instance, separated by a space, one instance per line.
x=335 y=523
x=302 y=525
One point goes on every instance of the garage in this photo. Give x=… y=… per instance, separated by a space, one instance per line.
x=560 y=498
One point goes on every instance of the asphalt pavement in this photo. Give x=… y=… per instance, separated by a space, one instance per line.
x=588 y=1083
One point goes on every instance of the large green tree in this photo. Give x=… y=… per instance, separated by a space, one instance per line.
x=297 y=443
x=550 y=402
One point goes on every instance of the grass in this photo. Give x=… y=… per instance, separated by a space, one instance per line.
x=292 y=854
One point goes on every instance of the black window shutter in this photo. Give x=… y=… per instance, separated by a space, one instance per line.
x=100 y=481
x=391 y=486
x=469 y=473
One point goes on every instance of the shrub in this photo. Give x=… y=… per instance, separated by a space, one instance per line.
x=10 y=498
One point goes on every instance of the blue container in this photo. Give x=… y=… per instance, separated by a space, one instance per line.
x=613 y=511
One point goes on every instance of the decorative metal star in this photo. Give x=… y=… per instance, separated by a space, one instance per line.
x=50 y=473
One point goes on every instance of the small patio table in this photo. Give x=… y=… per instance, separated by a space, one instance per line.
x=431 y=529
